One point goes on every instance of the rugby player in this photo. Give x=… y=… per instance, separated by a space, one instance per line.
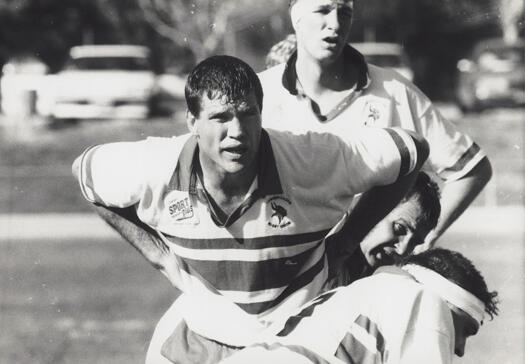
x=327 y=86
x=430 y=305
x=240 y=213
x=394 y=237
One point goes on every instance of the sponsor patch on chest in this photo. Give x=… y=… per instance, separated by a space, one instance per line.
x=179 y=208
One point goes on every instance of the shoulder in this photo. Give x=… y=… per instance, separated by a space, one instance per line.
x=272 y=75
x=391 y=79
x=308 y=142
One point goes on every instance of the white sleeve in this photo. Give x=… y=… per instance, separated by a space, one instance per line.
x=379 y=156
x=113 y=174
x=452 y=153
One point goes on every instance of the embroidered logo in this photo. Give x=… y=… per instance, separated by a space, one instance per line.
x=373 y=115
x=178 y=205
x=279 y=217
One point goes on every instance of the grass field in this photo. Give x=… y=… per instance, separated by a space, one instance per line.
x=77 y=302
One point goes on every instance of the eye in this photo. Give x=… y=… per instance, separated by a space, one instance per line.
x=400 y=229
x=345 y=13
x=249 y=112
x=323 y=10
x=220 y=117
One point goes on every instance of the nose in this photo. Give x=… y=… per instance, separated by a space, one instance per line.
x=235 y=128
x=332 y=20
x=404 y=245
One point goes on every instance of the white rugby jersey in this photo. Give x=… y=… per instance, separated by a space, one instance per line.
x=267 y=257
x=382 y=98
x=387 y=318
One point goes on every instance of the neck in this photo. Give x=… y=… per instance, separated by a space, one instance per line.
x=227 y=189
x=317 y=77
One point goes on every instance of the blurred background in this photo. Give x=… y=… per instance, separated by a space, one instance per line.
x=82 y=72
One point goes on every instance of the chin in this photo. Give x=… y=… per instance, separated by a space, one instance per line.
x=328 y=56
x=234 y=167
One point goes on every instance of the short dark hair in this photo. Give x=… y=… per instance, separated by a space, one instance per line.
x=221 y=76
x=426 y=193
x=458 y=269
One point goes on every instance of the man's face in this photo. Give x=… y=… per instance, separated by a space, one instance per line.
x=322 y=27
x=397 y=234
x=228 y=133
x=464 y=327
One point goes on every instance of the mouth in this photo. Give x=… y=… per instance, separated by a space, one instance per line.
x=238 y=150
x=331 y=41
x=383 y=255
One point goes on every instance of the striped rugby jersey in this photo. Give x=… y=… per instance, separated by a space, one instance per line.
x=267 y=257
x=386 y=318
x=382 y=98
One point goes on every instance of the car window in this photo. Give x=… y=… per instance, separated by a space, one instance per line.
x=109 y=63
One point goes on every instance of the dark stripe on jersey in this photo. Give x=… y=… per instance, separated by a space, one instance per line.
x=403 y=151
x=233 y=275
x=296 y=284
x=465 y=158
x=351 y=350
x=270 y=241
x=373 y=330
x=301 y=350
x=293 y=321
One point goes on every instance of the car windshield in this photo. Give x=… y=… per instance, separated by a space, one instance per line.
x=109 y=63
x=384 y=60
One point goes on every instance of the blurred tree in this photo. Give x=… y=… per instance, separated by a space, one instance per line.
x=47 y=28
x=435 y=34
x=205 y=26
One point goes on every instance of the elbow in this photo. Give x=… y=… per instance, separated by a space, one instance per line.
x=75 y=168
x=486 y=167
x=482 y=172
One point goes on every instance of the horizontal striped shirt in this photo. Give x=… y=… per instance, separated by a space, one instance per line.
x=268 y=257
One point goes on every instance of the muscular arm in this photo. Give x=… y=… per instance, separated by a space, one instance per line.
x=138 y=234
x=456 y=196
x=126 y=222
x=377 y=202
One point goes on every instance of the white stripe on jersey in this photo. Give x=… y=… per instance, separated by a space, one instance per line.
x=364 y=337
x=245 y=255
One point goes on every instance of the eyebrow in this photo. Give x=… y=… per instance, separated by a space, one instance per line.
x=218 y=114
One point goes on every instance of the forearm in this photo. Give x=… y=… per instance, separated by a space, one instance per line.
x=143 y=238
x=456 y=196
x=376 y=203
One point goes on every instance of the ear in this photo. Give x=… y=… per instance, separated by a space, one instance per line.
x=190 y=122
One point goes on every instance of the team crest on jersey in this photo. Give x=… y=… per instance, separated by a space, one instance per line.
x=374 y=111
x=178 y=206
x=279 y=217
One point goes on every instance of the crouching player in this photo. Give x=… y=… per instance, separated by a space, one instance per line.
x=392 y=238
x=429 y=305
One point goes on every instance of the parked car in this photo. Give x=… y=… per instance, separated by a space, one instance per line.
x=101 y=81
x=388 y=55
x=21 y=77
x=493 y=75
